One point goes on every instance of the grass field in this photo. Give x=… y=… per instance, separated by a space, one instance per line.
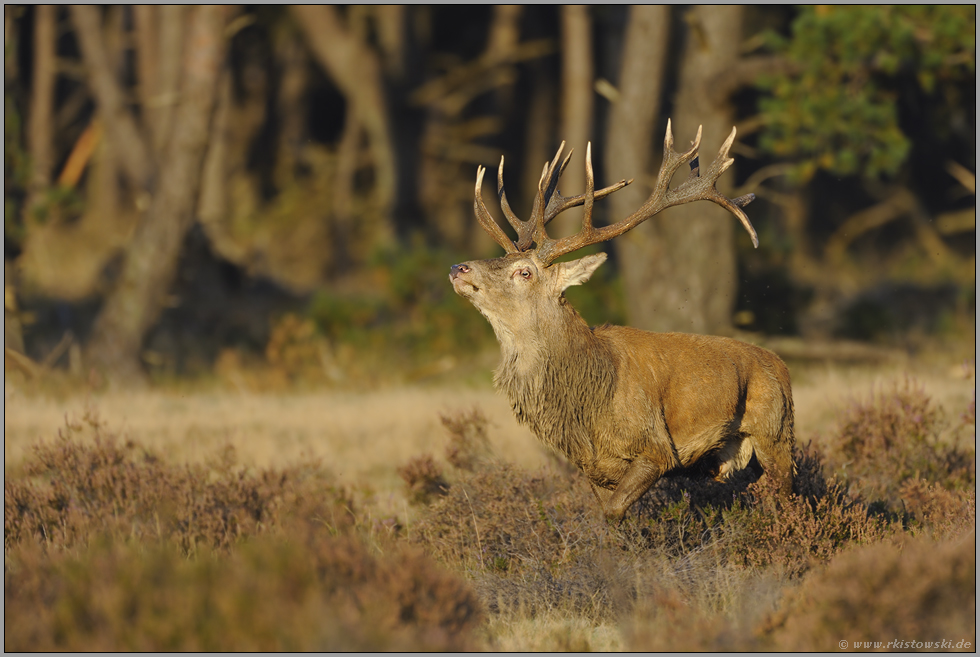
x=426 y=518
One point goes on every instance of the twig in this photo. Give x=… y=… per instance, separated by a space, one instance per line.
x=479 y=545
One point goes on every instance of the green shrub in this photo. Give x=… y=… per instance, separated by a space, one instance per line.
x=408 y=306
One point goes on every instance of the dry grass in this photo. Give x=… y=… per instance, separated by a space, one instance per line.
x=821 y=392
x=358 y=436
x=426 y=519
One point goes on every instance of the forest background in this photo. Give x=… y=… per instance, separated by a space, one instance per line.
x=190 y=190
x=244 y=409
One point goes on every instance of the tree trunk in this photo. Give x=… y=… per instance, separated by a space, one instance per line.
x=679 y=268
x=630 y=144
x=171 y=44
x=146 y=32
x=41 y=126
x=390 y=21
x=120 y=126
x=140 y=293
x=576 y=105
x=356 y=70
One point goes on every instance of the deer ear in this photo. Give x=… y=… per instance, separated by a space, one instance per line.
x=578 y=271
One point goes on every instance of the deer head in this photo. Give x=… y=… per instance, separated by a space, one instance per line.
x=527 y=281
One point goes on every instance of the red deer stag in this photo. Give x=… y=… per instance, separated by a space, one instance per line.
x=626 y=406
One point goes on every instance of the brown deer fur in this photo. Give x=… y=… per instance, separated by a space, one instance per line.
x=627 y=406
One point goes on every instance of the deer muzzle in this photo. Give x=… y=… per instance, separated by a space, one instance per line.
x=456 y=270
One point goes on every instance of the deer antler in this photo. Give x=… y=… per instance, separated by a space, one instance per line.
x=549 y=202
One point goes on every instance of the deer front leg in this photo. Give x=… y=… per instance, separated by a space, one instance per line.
x=601 y=494
x=642 y=473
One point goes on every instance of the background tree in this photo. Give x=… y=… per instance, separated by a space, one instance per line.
x=878 y=104
x=679 y=271
x=140 y=293
x=326 y=168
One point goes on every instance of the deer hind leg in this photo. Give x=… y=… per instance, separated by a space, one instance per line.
x=735 y=455
x=771 y=437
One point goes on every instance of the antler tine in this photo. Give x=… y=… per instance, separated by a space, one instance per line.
x=548 y=249
x=534 y=232
x=559 y=203
x=589 y=190
x=695 y=188
x=486 y=220
x=512 y=218
x=549 y=173
x=553 y=194
x=549 y=203
x=721 y=164
x=547 y=183
x=674 y=160
x=564 y=163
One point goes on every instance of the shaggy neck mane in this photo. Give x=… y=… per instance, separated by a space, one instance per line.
x=547 y=374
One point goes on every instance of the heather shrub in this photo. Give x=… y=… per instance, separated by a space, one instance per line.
x=109 y=547
x=469 y=446
x=943 y=513
x=706 y=606
x=322 y=592
x=756 y=527
x=531 y=541
x=920 y=591
x=794 y=534
x=76 y=490
x=535 y=542
x=894 y=435
x=423 y=480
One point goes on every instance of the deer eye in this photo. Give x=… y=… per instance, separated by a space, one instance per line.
x=524 y=273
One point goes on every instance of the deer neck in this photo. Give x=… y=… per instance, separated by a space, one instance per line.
x=556 y=378
x=530 y=339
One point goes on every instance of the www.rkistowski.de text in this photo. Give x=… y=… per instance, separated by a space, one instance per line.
x=900 y=644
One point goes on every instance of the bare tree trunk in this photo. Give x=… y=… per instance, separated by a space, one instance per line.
x=356 y=70
x=171 y=45
x=140 y=293
x=697 y=267
x=120 y=126
x=505 y=31
x=680 y=270
x=10 y=42
x=40 y=128
x=539 y=137
x=212 y=204
x=576 y=104
x=146 y=27
x=391 y=37
x=292 y=58
x=630 y=145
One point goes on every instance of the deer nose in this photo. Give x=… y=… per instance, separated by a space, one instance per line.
x=456 y=270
